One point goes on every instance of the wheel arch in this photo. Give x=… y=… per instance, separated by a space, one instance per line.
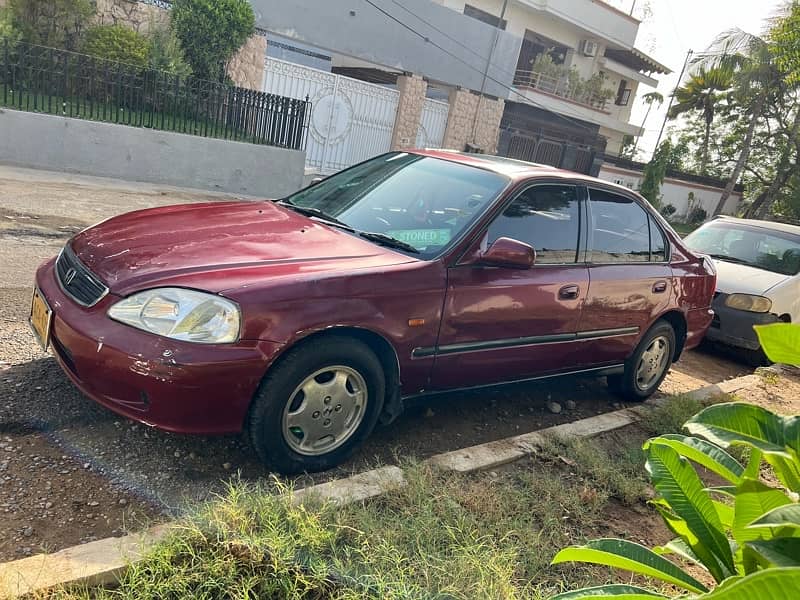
x=378 y=343
x=678 y=322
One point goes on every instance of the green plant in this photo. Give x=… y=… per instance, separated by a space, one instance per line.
x=666 y=156
x=697 y=215
x=210 y=32
x=781 y=342
x=668 y=210
x=745 y=534
x=165 y=52
x=9 y=34
x=53 y=23
x=117 y=43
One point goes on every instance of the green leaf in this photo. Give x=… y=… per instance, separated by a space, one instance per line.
x=620 y=592
x=678 y=483
x=770 y=584
x=784 y=515
x=704 y=453
x=777 y=552
x=787 y=471
x=740 y=423
x=622 y=554
x=725 y=512
x=753 y=499
x=780 y=341
x=679 y=548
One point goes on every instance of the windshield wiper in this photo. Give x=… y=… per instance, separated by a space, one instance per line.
x=387 y=240
x=308 y=211
x=733 y=259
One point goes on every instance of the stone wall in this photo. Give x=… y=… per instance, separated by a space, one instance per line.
x=473 y=119
x=409 y=111
x=136 y=15
x=246 y=68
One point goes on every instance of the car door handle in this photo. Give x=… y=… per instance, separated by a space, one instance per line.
x=659 y=287
x=569 y=292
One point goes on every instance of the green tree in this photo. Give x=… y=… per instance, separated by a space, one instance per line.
x=649 y=99
x=53 y=23
x=211 y=31
x=117 y=43
x=165 y=52
x=702 y=93
x=667 y=156
x=8 y=32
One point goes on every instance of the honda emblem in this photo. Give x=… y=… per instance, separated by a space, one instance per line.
x=69 y=276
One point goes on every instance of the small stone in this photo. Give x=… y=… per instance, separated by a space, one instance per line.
x=86 y=465
x=177 y=454
x=192 y=455
x=48 y=505
x=553 y=407
x=429 y=413
x=122 y=502
x=571 y=404
x=28 y=531
x=226 y=466
x=93 y=503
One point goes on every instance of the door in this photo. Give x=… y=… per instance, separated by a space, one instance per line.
x=630 y=280
x=503 y=324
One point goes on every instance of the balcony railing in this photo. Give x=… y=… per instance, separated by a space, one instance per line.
x=570 y=88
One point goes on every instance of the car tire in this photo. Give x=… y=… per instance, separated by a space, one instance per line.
x=316 y=406
x=647 y=367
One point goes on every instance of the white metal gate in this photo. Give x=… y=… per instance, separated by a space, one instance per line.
x=351 y=120
x=432 y=124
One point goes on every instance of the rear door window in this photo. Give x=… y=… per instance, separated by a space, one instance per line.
x=620 y=229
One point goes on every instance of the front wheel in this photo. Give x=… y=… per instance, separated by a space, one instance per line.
x=647 y=367
x=316 y=406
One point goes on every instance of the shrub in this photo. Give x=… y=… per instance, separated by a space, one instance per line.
x=165 y=52
x=668 y=210
x=8 y=31
x=53 y=23
x=697 y=215
x=744 y=534
x=117 y=43
x=211 y=31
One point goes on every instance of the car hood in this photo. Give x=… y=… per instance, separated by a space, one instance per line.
x=743 y=279
x=211 y=245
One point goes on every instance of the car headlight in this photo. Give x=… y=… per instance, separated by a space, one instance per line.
x=180 y=314
x=757 y=304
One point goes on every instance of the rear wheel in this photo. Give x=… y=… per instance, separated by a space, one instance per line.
x=316 y=406
x=649 y=364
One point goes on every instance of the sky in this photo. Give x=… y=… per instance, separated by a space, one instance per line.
x=672 y=28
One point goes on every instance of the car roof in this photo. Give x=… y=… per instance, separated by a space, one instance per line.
x=513 y=168
x=784 y=227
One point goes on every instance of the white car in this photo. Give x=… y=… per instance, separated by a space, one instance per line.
x=758 y=277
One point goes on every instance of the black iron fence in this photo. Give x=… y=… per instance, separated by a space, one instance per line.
x=38 y=79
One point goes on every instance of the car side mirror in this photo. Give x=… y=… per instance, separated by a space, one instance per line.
x=507 y=252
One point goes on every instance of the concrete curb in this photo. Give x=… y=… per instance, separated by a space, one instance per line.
x=103 y=561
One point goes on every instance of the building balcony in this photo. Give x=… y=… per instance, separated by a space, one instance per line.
x=574 y=89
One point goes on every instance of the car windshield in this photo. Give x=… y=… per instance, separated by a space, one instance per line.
x=420 y=201
x=759 y=247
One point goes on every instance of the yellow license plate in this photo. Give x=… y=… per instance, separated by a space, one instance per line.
x=40 y=319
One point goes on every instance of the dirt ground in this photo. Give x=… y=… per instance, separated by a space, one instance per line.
x=71 y=470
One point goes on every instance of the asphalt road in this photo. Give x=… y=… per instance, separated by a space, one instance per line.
x=70 y=458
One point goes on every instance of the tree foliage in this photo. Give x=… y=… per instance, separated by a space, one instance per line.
x=667 y=156
x=117 y=43
x=165 y=52
x=211 y=31
x=54 y=23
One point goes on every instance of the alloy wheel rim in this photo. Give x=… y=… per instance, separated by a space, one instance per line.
x=653 y=363
x=325 y=410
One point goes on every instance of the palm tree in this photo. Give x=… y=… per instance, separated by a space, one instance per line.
x=702 y=92
x=649 y=99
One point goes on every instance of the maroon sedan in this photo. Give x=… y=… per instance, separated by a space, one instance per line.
x=304 y=321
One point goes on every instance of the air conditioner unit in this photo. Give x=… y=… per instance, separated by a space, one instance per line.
x=589 y=48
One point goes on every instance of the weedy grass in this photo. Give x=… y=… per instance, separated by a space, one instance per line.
x=444 y=535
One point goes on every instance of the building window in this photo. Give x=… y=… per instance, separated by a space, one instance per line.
x=482 y=15
x=623 y=93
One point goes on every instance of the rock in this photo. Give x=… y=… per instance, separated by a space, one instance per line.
x=429 y=413
x=122 y=502
x=48 y=505
x=93 y=503
x=571 y=404
x=177 y=454
x=28 y=531
x=226 y=466
x=553 y=407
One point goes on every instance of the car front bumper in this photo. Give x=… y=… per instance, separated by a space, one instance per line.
x=168 y=384
x=734 y=327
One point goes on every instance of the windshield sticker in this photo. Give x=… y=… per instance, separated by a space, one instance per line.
x=422 y=238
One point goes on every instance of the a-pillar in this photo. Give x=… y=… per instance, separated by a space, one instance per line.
x=412 y=90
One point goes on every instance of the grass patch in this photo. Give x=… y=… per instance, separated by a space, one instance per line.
x=684 y=229
x=444 y=535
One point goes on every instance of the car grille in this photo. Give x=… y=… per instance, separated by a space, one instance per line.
x=77 y=281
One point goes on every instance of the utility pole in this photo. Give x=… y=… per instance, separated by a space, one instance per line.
x=632 y=7
x=486 y=69
x=672 y=99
